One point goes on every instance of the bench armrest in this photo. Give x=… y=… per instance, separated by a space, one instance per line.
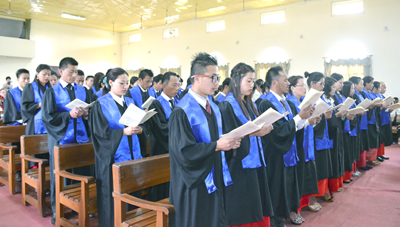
x=8 y=147
x=32 y=159
x=86 y=179
x=165 y=208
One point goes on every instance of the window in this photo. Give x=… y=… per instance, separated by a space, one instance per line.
x=216 y=26
x=170 y=33
x=348 y=71
x=347 y=7
x=135 y=38
x=273 y=18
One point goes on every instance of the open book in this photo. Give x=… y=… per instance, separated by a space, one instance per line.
x=134 y=116
x=365 y=104
x=320 y=108
x=346 y=104
x=79 y=103
x=357 y=110
x=394 y=106
x=334 y=108
x=148 y=102
x=267 y=118
x=388 y=100
x=377 y=101
x=311 y=98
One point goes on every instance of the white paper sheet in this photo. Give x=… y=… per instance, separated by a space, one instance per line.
x=388 y=101
x=320 y=108
x=78 y=103
x=148 y=102
x=365 y=104
x=356 y=110
x=346 y=104
x=243 y=130
x=269 y=117
x=394 y=106
x=311 y=98
x=334 y=108
x=134 y=116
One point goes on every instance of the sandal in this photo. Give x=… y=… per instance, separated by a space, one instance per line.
x=340 y=189
x=319 y=207
x=330 y=199
x=313 y=208
x=296 y=221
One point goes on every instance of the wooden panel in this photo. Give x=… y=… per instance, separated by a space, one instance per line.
x=73 y=156
x=34 y=144
x=11 y=134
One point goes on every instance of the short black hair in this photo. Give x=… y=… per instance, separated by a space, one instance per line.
x=355 y=80
x=259 y=82
x=395 y=98
x=67 y=61
x=200 y=62
x=180 y=80
x=376 y=85
x=167 y=76
x=8 y=78
x=273 y=74
x=368 y=79
x=42 y=67
x=226 y=82
x=133 y=80
x=157 y=78
x=293 y=80
x=88 y=77
x=145 y=72
x=19 y=72
x=53 y=73
x=80 y=73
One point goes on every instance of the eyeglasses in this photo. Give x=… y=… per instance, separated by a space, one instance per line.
x=214 y=78
x=302 y=85
x=321 y=83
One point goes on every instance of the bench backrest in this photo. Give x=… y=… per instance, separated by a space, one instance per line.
x=73 y=156
x=11 y=134
x=34 y=144
x=136 y=175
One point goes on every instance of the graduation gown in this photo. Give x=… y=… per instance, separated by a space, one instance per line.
x=31 y=115
x=260 y=99
x=386 y=126
x=363 y=124
x=191 y=163
x=373 y=122
x=138 y=96
x=110 y=147
x=322 y=150
x=248 y=198
x=281 y=160
x=12 y=107
x=219 y=98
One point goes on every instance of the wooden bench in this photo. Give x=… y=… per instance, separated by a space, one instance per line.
x=9 y=161
x=38 y=178
x=80 y=197
x=136 y=175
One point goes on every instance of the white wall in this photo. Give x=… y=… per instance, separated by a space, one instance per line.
x=95 y=50
x=313 y=20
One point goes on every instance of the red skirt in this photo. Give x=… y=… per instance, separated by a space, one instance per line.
x=381 y=150
x=263 y=223
x=322 y=188
x=363 y=159
x=304 y=202
x=335 y=184
x=372 y=154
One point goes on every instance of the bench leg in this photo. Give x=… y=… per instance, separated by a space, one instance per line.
x=24 y=187
x=11 y=172
x=1 y=174
x=59 y=206
x=83 y=218
x=161 y=219
x=41 y=192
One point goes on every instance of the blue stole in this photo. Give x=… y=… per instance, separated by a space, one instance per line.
x=263 y=97
x=308 y=142
x=166 y=106
x=62 y=99
x=364 y=118
x=99 y=92
x=180 y=91
x=152 y=92
x=354 y=132
x=112 y=114
x=371 y=96
x=290 y=158
x=16 y=94
x=220 y=97
x=38 y=94
x=346 y=128
x=385 y=115
x=188 y=87
x=94 y=90
x=137 y=96
x=198 y=123
x=252 y=160
x=326 y=128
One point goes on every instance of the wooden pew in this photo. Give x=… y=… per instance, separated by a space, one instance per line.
x=38 y=178
x=10 y=162
x=80 y=197
x=1 y=123
x=136 y=175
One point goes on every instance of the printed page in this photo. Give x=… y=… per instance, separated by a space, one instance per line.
x=78 y=103
x=269 y=117
x=148 y=102
x=347 y=104
x=243 y=130
x=311 y=98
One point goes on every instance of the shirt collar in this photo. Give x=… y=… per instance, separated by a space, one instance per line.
x=280 y=98
x=166 y=96
x=142 y=88
x=20 y=88
x=119 y=100
x=200 y=99
x=64 y=84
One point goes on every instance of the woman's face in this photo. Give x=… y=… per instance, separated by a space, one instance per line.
x=300 y=89
x=339 y=85
x=44 y=76
x=333 y=89
x=359 y=87
x=120 y=85
x=53 y=80
x=247 y=84
x=352 y=90
x=319 y=86
x=377 y=90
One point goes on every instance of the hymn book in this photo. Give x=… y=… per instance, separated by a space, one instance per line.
x=347 y=104
x=394 y=106
x=334 y=108
x=269 y=117
x=148 y=102
x=356 y=110
x=310 y=99
x=320 y=108
x=79 y=103
x=134 y=116
x=377 y=101
x=365 y=104
x=388 y=100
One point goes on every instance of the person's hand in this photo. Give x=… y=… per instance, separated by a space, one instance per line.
x=307 y=112
x=363 y=113
x=328 y=115
x=351 y=116
x=314 y=120
x=76 y=112
x=384 y=108
x=225 y=144
x=341 y=114
x=132 y=130
x=85 y=111
x=263 y=131
x=39 y=106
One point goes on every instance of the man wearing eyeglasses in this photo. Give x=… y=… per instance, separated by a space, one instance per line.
x=199 y=170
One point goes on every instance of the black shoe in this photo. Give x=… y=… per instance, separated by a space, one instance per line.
x=380 y=159
x=386 y=158
x=53 y=219
x=365 y=168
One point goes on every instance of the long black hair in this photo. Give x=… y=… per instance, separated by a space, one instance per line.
x=346 y=89
x=97 y=80
x=329 y=81
x=237 y=74
x=112 y=74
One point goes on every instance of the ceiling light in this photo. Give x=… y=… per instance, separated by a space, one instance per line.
x=74 y=17
x=217 y=8
x=136 y=25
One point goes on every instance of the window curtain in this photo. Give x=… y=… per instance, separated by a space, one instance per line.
x=262 y=68
x=223 y=71
x=175 y=70
x=349 y=67
x=132 y=73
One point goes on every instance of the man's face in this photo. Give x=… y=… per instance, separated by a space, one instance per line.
x=69 y=73
x=207 y=86
x=8 y=80
x=368 y=86
x=89 y=82
x=158 y=86
x=23 y=79
x=171 y=89
x=283 y=83
x=79 y=80
x=383 y=88
x=146 y=82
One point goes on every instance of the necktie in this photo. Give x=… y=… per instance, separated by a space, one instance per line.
x=283 y=103
x=172 y=103
x=71 y=92
x=208 y=108
x=145 y=96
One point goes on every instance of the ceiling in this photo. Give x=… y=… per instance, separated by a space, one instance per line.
x=123 y=16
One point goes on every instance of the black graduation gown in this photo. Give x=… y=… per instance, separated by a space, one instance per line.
x=337 y=152
x=373 y=129
x=247 y=199
x=386 y=136
x=306 y=171
x=322 y=157
x=11 y=113
x=363 y=135
x=282 y=180
x=29 y=107
x=158 y=126
x=183 y=93
x=191 y=162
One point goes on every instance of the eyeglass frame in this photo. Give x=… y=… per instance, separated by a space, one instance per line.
x=214 y=78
